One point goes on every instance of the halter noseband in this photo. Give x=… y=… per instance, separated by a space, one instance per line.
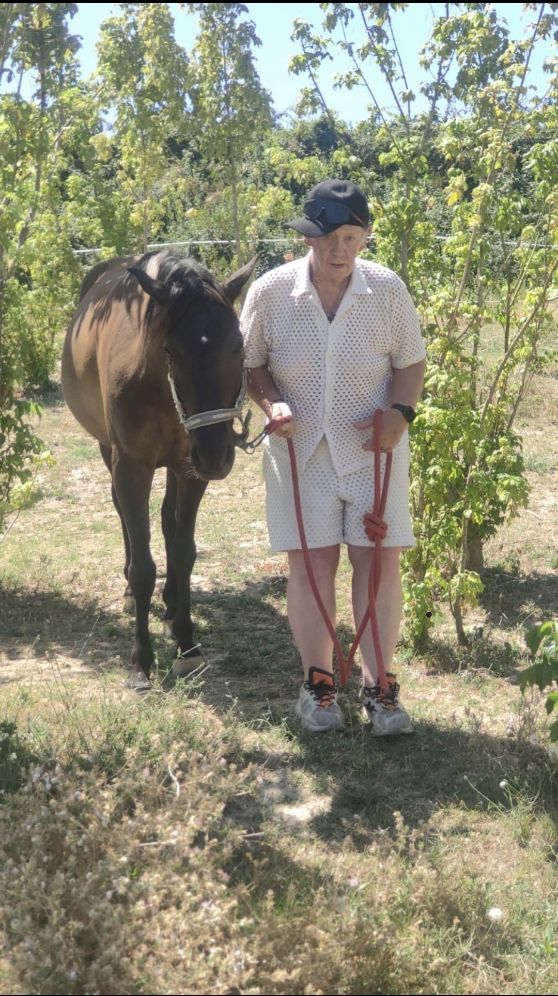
x=212 y=417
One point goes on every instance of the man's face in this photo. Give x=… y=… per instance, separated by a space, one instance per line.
x=334 y=254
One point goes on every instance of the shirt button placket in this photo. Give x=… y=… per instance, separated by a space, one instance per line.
x=329 y=377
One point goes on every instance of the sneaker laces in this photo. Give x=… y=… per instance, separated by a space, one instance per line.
x=323 y=691
x=387 y=699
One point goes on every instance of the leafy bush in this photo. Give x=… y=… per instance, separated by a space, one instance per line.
x=542 y=641
x=17 y=443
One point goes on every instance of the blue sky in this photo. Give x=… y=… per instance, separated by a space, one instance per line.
x=274 y=26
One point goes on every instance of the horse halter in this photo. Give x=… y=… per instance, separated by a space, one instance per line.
x=192 y=422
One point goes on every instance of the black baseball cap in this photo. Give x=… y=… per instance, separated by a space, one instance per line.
x=331 y=204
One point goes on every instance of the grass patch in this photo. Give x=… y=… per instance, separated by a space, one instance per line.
x=157 y=825
x=541 y=464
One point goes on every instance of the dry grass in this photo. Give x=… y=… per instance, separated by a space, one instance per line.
x=195 y=841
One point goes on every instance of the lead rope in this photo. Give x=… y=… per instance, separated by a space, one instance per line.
x=376 y=529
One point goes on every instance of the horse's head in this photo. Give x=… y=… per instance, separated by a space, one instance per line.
x=201 y=335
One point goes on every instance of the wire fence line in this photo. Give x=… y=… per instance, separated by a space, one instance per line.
x=281 y=240
x=295 y=243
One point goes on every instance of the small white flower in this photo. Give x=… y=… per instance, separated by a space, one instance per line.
x=503 y=783
x=495 y=914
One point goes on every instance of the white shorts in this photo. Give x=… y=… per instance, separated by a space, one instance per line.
x=333 y=506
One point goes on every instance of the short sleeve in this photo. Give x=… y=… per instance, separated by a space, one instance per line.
x=252 y=328
x=407 y=342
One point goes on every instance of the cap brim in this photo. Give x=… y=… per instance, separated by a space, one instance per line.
x=314 y=228
x=311 y=228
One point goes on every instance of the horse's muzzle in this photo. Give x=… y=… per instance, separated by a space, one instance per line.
x=213 y=451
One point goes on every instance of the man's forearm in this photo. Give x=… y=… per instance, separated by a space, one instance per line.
x=406 y=384
x=262 y=388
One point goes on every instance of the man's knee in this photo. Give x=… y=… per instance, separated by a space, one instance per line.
x=324 y=560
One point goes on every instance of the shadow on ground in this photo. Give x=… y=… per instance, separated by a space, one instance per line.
x=512 y=600
x=41 y=626
x=252 y=681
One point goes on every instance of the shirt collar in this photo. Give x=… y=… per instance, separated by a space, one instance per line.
x=303 y=284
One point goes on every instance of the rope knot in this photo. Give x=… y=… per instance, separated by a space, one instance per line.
x=374 y=526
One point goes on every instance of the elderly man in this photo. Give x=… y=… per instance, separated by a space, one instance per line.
x=329 y=339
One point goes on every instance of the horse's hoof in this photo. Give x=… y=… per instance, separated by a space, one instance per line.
x=137 y=681
x=129 y=605
x=167 y=629
x=183 y=666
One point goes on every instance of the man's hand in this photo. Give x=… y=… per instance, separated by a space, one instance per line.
x=282 y=415
x=394 y=426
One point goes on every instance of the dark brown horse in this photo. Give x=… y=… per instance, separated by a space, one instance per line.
x=155 y=340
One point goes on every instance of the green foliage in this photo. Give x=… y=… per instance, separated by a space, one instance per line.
x=232 y=111
x=468 y=478
x=143 y=76
x=466 y=212
x=18 y=444
x=542 y=641
x=39 y=138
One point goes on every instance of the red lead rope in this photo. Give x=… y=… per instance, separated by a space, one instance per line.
x=376 y=529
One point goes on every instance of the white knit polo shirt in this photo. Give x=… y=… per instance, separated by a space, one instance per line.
x=331 y=373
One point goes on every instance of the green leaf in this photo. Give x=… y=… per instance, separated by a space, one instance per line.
x=541 y=674
x=551 y=702
x=533 y=639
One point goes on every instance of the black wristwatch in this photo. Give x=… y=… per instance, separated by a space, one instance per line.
x=407 y=412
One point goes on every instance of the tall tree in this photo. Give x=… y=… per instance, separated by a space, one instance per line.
x=230 y=106
x=143 y=76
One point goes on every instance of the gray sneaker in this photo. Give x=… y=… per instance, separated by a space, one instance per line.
x=317 y=703
x=383 y=710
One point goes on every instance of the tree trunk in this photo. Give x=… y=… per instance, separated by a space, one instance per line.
x=475 y=554
x=459 y=628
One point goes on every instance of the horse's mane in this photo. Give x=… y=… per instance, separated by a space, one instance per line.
x=186 y=278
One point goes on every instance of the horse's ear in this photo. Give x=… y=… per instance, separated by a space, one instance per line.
x=155 y=288
x=233 y=286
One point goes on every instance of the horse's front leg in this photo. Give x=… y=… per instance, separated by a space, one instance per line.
x=168 y=522
x=182 y=557
x=132 y=484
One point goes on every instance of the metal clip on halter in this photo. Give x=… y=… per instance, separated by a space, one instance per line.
x=270 y=427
